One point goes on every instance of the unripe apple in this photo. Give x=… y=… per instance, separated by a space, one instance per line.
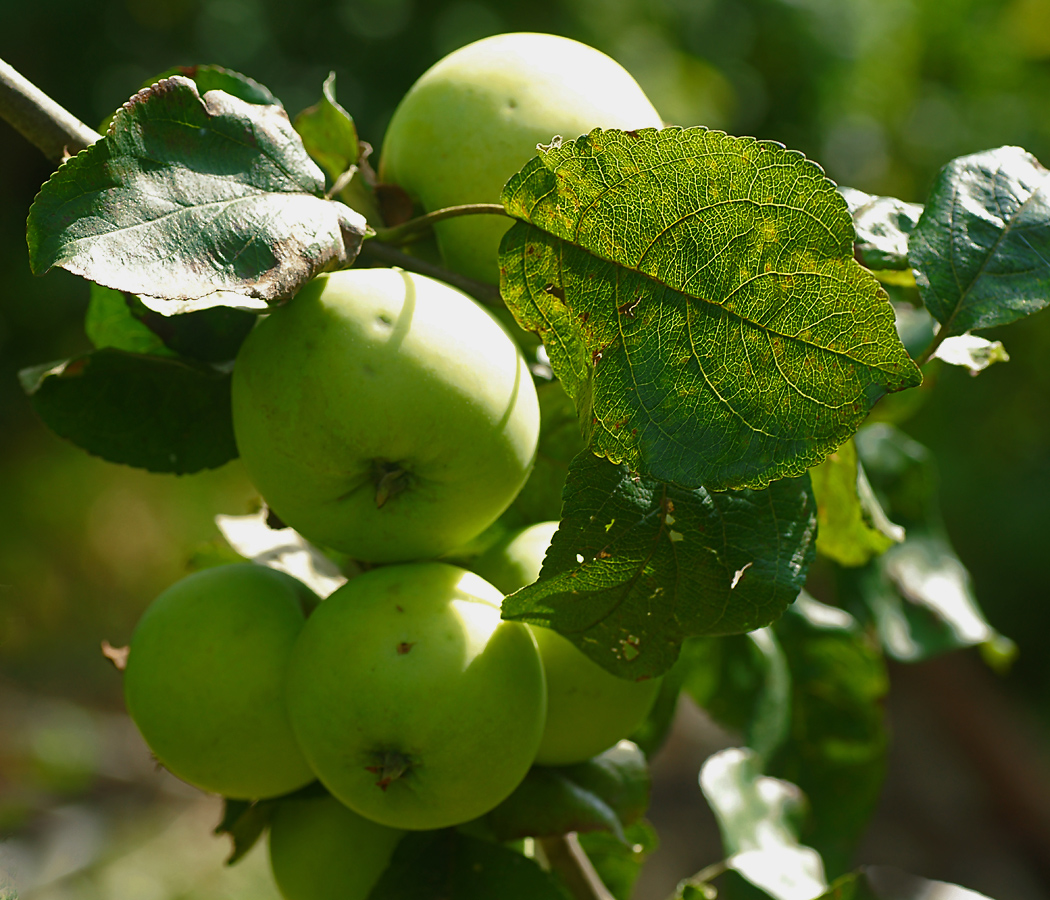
x=205 y=680
x=322 y=850
x=474 y=118
x=588 y=708
x=384 y=414
x=416 y=705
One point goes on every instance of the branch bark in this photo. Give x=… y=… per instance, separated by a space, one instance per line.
x=52 y=129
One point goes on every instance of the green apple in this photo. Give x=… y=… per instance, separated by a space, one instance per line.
x=321 y=850
x=205 y=680
x=588 y=708
x=474 y=118
x=384 y=414
x=416 y=705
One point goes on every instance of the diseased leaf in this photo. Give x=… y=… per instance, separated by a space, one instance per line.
x=187 y=198
x=981 y=250
x=163 y=414
x=851 y=526
x=758 y=817
x=699 y=299
x=972 y=352
x=637 y=565
x=604 y=794
x=883 y=225
x=446 y=864
x=838 y=748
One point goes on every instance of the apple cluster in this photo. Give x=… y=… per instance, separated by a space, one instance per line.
x=387 y=416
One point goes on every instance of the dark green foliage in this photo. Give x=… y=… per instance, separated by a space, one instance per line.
x=638 y=565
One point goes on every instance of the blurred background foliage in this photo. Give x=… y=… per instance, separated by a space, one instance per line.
x=880 y=92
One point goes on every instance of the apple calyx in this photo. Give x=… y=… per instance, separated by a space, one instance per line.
x=389 y=480
x=390 y=766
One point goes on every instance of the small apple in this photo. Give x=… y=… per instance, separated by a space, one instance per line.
x=474 y=118
x=205 y=680
x=588 y=708
x=384 y=414
x=416 y=705
x=321 y=850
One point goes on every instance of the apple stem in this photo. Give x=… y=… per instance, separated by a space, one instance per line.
x=52 y=129
x=389 y=255
x=419 y=227
x=570 y=861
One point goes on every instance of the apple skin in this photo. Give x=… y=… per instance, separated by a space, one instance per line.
x=416 y=705
x=321 y=850
x=588 y=708
x=367 y=368
x=205 y=680
x=474 y=118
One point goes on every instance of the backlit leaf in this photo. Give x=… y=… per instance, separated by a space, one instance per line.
x=638 y=565
x=188 y=198
x=699 y=299
x=981 y=250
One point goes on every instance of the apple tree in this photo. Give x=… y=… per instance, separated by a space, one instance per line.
x=718 y=339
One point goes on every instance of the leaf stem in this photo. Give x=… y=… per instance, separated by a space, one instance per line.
x=419 y=227
x=52 y=129
x=481 y=291
x=568 y=859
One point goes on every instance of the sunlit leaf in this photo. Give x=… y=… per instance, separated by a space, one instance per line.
x=109 y=322
x=851 y=526
x=699 y=299
x=972 y=352
x=883 y=225
x=638 y=565
x=981 y=250
x=189 y=198
x=919 y=594
x=163 y=414
x=758 y=816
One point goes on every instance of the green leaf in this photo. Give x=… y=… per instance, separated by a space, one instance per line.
x=838 y=746
x=560 y=442
x=757 y=816
x=972 y=352
x=981 y=250
x=330 y=137
x=210 y=200
x=652 y=734
x=851 y=526
x=158 y=413
x=619 y=863
x=885 y=883
x=603 y=794
x=918 y=594
x=637 y=565
x=216 y=78
x=449 y=865
x=742 y=682
x=883 y=225
x=698 y=297
x=110 y=323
